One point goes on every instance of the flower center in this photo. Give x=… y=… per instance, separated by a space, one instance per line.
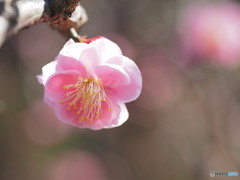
x=86 y=97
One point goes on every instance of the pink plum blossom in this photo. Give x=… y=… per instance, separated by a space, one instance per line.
x=89 y=83
x=212 y=31
x=76 y=165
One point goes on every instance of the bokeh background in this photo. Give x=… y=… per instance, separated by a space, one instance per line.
x=184 y=125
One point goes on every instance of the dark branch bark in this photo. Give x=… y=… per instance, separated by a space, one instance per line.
x=58 y=10
x=76 y=21
x=18 y=14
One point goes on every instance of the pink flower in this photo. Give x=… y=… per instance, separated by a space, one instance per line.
x=212 y=31
x=88 y=84
x=76 y=165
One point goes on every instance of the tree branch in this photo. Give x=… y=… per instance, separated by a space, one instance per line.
x=18 y=14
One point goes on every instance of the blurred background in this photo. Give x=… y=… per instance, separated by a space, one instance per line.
x=184 y=125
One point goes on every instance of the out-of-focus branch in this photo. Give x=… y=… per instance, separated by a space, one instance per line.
x=18 y=14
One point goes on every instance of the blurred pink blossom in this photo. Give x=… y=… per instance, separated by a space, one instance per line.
x=212 y=31
x=88 y=84
x=77 y=165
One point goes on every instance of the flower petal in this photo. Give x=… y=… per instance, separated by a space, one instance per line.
x=69 y=63
x=54 y=90
x=75 y=52
x=123 y=116
x=47 y=71
x=131 y=91
x=82 y=52
x=106 y=49
x=110 y=118
x=69 y=42
x=68 y=116
x=112 y=75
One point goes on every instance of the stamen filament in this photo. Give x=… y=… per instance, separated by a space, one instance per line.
x=86 y=97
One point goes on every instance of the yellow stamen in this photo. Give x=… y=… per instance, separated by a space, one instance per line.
x=86 y=97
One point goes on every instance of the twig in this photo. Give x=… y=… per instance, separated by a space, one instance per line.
x=18 y=14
